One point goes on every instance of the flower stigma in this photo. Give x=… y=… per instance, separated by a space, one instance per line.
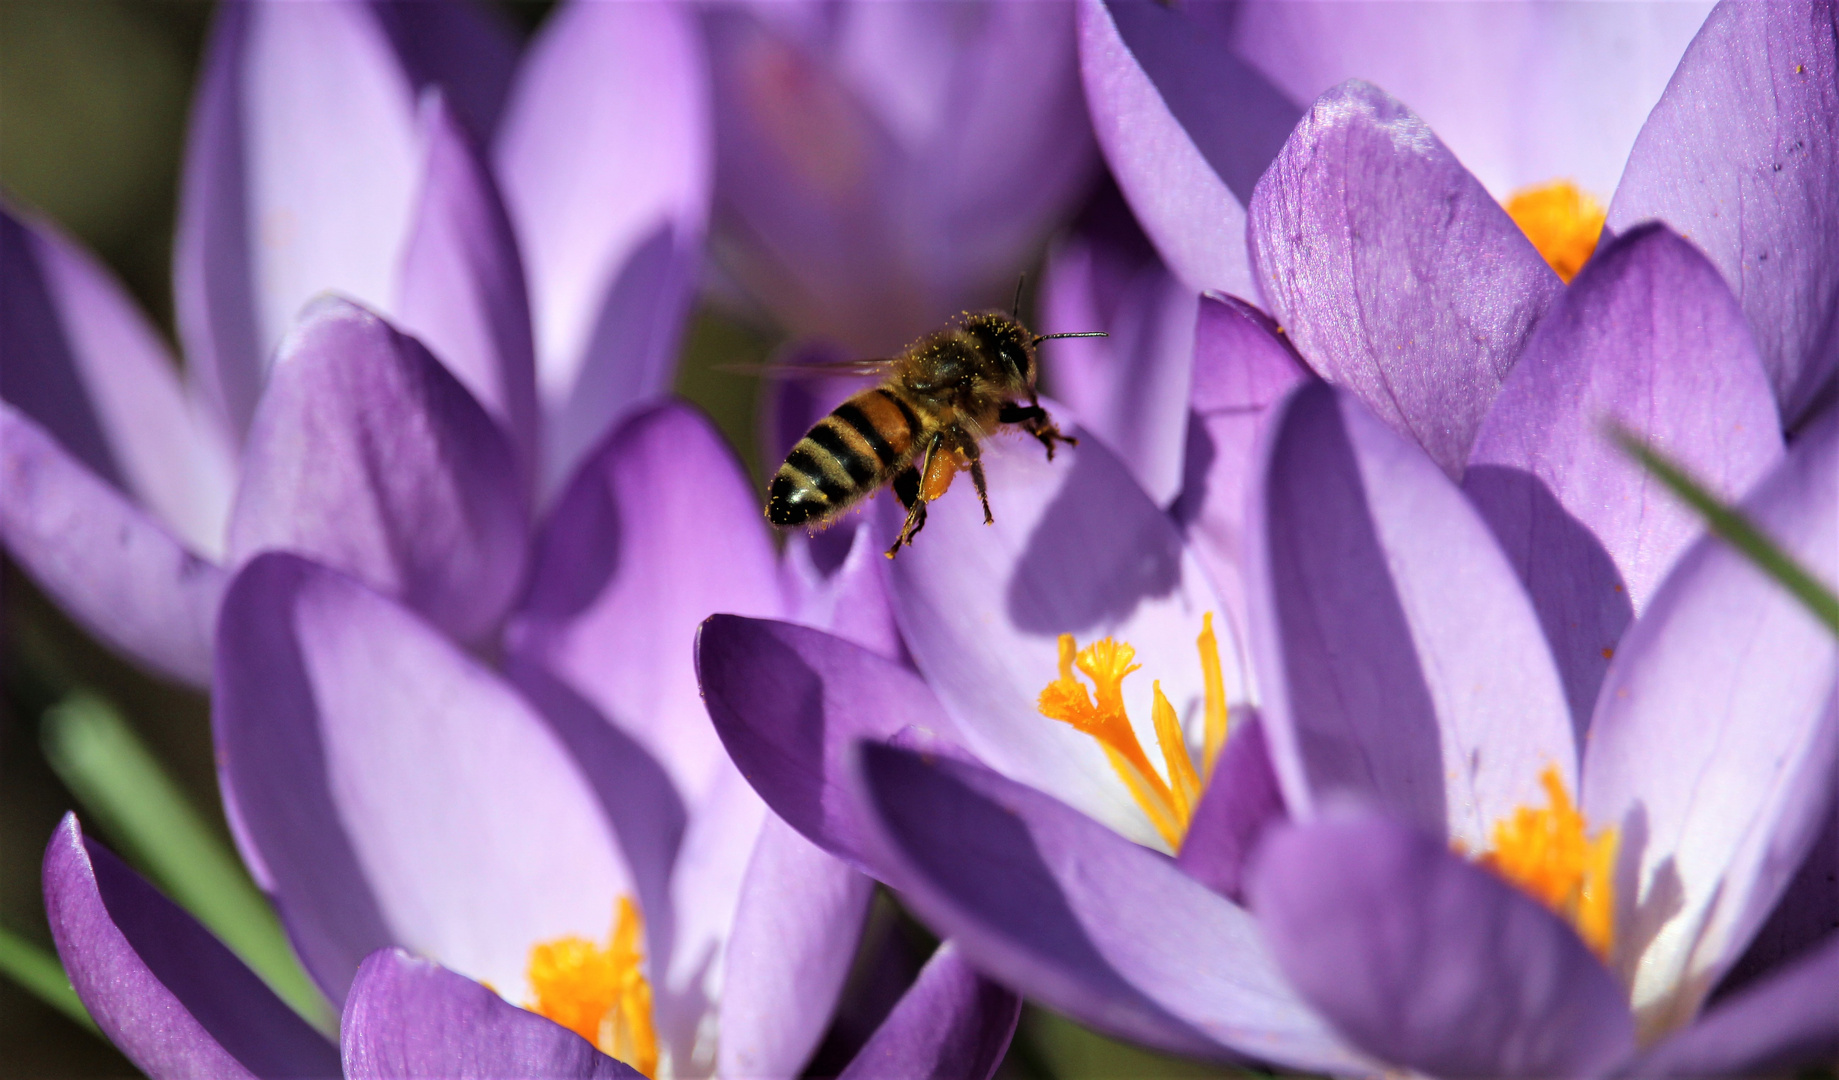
x=1169 y=804
x=1562 y=221
x=1544 y=852
x=600 y=994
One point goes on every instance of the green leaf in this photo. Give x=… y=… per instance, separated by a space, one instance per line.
x=144 y=812
x=39 y=972
x=1734 y=529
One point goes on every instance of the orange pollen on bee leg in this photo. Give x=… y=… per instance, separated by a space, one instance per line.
x=1562 y=221
x=1545 y=853
x=600 y=994
x=939 y=476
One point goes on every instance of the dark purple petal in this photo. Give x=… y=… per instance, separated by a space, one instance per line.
x=116 y=571
x=461 y=827
x=300 y=179
x=1130 y=389
x=1186 y=127
x=468 y=50
x=1061 y=908
x=1522 y=93
x=1647 y=337
x=88 y=368
x=795 y=933
x=1241 y=801
x=1400 y=661
x=1784 y=1023
x=604 y=157
x=789 y=703
x=460 y=289
x=367 y=455
x=1741 y=157
x=1431 y=963
x=1242 y=367
x=658 y=529
x=1393 y=270
x=165 y=991
x=409 y=1017
x=1715 y=740
x=953 y=1024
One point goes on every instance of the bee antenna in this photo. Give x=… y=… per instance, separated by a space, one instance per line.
x=1015 y=309
x=1038 y=338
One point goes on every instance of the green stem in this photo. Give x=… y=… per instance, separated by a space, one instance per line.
x=39 y=972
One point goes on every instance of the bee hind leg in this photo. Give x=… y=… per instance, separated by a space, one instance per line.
x=911 y=488
x=968 y=447
x=1034 y=420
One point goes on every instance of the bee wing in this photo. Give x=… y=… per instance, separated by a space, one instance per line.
x=780 y=370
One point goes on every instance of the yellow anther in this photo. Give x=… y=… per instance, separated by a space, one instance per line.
x=601 y=994
x=1562 y=221
x=1216 y=696
x=1183 y=780
x=1546 y=854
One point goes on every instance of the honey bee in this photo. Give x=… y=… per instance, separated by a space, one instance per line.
x=938 y=400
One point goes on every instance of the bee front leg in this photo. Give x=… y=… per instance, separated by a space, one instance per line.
x=912 y=494
x=1035 y=421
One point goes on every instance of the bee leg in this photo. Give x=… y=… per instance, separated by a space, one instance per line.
x=1035 y=421
x=913 y=494
x=968 y=447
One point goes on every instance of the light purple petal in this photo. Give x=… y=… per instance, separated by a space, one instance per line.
x=167 y=993
x=837 y=580
x=117 y=572
x=460 y=288
x=1741 y=157
x=409 y=1017
x=605 y=160
x=87 y=367
x=1392 y=269
x=1131 y=388
x=1785 y=1023
x=658 y=530
x=1186 y=127
x=466 y=49
x=388 y=789
x=1076 y=548
x=1242 y=367
x=1806 y=915
x=1063 y=909
x=1523 y=93
x=1241 y=802
x=1431 y=963
x=795 y=933
x=369 y=456
x=790 y=702
x=1398 y=658
x=1649 y=338
x=1714 y=742
x=952 y=1025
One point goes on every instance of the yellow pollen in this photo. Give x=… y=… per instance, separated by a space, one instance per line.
x=1562 y=221
x=600 y=994
x=1546 y=854
x=1169 y=804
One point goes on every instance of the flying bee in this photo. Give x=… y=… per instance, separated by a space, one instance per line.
x=938 y=400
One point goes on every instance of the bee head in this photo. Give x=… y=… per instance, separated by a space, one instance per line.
x=1007 y=343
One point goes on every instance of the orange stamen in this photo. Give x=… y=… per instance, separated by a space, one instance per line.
x=1546 y=854
x=1562 y=221
x=600 y=994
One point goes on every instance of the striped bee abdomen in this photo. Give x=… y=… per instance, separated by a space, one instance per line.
x=843 y=459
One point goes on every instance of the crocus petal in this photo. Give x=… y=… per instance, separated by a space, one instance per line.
x=460 y=289
x=461 y=828
x=795 y=933
x=1399 y=660
x=659 y=528
x=953 y=1023
x=605 y=159
x=166 y=992
x=1649 y=338
x=1242 y=367
x=1523 y=93
x=1392 y=269
x=1784 y=1023
x=1130 y=389
x=409 y=1017
x=1077 y=548
x=1186 y=127
x=87 y=367
x=468 y=51
x=1429 y=962
x=1741 y=156
x=120 y=574
x=301 y=178
x=1714 y=739
x=1241 y=801
x=837 y=580
x=369 y=456
x=1063 y=909
x=1806 y=915
x=789 y=703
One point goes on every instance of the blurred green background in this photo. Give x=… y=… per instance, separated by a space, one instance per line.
x=93 y=101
